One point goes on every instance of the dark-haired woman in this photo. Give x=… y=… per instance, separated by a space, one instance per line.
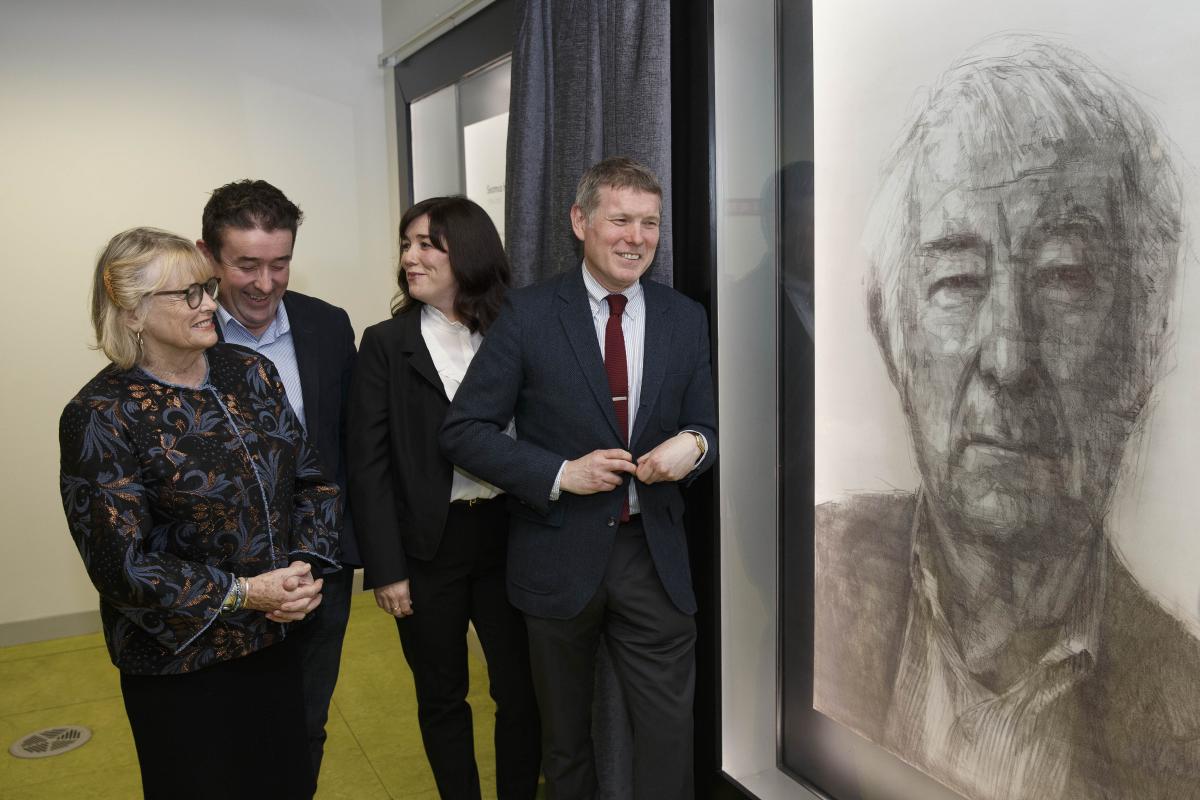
x=432 y=536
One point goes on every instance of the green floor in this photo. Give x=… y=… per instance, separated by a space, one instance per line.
x=374 y=748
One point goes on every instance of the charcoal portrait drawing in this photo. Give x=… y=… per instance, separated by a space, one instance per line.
x=1024 y=254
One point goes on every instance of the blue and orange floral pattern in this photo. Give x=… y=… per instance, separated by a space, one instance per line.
x=170 y=490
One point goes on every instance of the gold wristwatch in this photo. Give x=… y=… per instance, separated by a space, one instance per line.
x=700 y=445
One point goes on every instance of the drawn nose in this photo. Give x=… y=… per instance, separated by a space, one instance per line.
x=1006 y=354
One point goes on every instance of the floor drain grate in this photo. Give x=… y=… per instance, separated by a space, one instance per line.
x=50 y=742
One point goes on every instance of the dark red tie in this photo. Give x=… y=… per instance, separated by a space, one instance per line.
x=618 y=374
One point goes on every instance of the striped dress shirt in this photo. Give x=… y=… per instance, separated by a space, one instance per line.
x=633 y=328
x=1010 y=743
x=276 y=344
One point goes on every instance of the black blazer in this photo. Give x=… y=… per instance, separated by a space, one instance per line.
x=541 y=364
x=324 y=342
x=399 y=481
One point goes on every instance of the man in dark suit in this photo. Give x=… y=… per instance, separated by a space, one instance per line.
x=249 y=230
x=608 y=380
x=1023 y=256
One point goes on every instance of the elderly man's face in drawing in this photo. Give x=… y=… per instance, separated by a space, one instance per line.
x=1016 y=310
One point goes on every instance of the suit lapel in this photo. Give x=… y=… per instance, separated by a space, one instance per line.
x=576 y=318
x=656 y=353
x=414 y=347
x=305 y=343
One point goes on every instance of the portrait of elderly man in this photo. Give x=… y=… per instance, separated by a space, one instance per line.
x=1024 y=248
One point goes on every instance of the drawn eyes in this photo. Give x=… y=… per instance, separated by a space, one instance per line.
x=1066 y=283
x=1059 y=271
x=954 y=291
x=1064 y=268
x=960 y=275
x=1060 y=283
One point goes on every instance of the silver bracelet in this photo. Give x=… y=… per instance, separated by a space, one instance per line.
x=229 y=603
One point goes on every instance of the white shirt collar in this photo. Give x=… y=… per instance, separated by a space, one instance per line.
x=597 y=293
x=1080 y=628
x=435 y=316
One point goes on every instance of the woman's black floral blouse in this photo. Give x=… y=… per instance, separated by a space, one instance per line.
x=169 y=489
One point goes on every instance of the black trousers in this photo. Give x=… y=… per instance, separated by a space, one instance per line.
x=319 y=640
x=233 y=730
x=652 y=646
x=465 y=582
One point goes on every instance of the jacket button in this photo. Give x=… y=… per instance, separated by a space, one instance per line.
x=612 y=521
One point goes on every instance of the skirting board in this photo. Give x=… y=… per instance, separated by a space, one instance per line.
x=38 y=630
x=77 y=624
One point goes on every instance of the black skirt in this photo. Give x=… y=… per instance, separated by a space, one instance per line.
x=231 y=730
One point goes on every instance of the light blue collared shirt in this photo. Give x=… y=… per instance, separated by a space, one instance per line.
x=276 y=344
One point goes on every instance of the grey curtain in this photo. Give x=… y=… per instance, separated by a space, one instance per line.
x=590 y=79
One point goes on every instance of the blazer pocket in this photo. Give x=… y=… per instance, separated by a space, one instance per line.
x=553 y=518
x=525 y=587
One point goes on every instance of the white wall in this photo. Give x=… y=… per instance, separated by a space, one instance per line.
x=433 y=134
x=129 y=112
x=404 y=19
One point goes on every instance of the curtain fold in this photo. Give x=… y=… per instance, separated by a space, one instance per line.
x=590 y=79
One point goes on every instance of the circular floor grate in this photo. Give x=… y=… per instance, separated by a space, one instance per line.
x=50 y=742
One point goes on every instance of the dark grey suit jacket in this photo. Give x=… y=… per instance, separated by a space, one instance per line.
x=540 y=364
x=1137 y=716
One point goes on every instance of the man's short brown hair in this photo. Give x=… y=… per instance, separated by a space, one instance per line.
x=618 y=172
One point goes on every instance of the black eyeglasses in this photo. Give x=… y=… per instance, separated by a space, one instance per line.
x=194 y=294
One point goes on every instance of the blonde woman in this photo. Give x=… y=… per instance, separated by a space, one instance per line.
x=199 y=509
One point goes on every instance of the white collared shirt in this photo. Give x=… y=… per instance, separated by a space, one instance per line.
x=633 y=328
x=452 y=345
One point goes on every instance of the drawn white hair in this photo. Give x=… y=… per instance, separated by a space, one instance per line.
x=1009 y=93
